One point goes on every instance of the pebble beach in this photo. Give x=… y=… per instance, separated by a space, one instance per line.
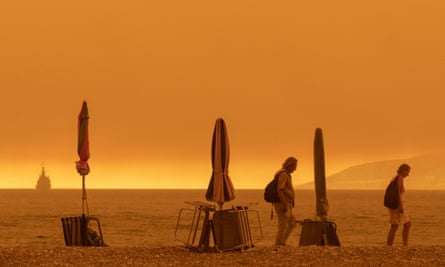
x=257 y=256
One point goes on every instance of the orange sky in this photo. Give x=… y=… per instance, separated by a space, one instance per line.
x=157 y=75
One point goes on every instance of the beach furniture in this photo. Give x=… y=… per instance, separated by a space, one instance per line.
x=220 y=187
x=78 y=231
x=232 y=229
x=217 y=230
x=321 y=199
x=228 y=229
x=319 y=233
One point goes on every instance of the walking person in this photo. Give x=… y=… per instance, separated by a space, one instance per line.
x=284 y=208
x=399 y=216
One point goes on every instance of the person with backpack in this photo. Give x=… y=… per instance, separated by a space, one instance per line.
x=284 y=206
x=398 y=215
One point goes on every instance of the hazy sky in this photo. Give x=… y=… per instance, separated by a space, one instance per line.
x=157 y=74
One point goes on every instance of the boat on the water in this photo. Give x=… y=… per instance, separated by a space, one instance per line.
x=43 y=183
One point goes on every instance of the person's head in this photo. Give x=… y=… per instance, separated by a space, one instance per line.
x=290 y=164
x=403 y=170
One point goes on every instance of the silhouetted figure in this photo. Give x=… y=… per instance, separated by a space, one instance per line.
x=398 y=216
x=284 y=208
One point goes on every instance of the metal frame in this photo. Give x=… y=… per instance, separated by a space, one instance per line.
x=205 y=222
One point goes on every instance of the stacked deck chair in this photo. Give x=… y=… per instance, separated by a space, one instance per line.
x=78 y=231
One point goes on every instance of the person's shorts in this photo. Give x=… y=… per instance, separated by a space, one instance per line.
x=395 y=217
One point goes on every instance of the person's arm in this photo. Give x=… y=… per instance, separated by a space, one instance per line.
x=282 y=199
x=400 y=186
x=281 y=192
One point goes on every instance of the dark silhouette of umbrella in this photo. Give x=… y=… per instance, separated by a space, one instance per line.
x=83 y=150
x=220 y=188
x=322 y=205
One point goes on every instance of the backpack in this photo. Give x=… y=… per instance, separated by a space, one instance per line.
x=391 y=199
x=271 y=190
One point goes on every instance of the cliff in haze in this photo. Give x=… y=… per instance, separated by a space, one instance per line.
x=427 y=173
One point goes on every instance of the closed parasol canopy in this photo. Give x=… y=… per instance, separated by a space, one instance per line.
x=322 y=205
x=83 y=144
x=83 y=150
x=220 y=188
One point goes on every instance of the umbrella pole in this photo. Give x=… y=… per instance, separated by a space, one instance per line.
x=84 y=197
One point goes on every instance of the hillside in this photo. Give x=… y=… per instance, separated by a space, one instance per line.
x=428 y=173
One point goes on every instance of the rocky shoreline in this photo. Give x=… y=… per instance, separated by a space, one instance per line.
x=257 y=256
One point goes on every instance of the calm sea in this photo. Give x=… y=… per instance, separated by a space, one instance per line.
x=149 y=217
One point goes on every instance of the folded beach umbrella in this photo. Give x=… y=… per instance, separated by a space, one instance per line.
x=220 y=188
x=83 y=144
x=76 y=229
x=83 y=149
x=322 y=205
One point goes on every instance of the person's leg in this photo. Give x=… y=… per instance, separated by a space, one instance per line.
x=282 y=224
x=291 y=224
x=392 y=234
x=405 y=235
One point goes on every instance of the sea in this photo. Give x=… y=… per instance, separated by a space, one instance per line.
x=159 y=218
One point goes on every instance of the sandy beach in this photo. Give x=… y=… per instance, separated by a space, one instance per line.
x=257 y=256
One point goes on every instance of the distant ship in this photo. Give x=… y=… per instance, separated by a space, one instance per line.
x=44 y=183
